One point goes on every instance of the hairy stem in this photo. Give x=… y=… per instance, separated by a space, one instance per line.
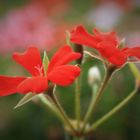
x=61 y=110
x=47 y=101
x=77 y=103
x=98 y=95
x=113 y=111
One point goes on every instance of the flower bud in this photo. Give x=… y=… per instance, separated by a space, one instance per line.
x=94 y=76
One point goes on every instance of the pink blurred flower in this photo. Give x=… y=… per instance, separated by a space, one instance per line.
x=108 y=13
x=133 y=38
x=105 y=16
x=26 y=26
x=54 y=7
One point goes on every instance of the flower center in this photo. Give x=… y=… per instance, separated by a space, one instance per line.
x=39 y=69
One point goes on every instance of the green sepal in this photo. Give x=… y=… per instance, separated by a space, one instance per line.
x=68 y=38
x=28 y=97
x=45 y=62
x=122 y=44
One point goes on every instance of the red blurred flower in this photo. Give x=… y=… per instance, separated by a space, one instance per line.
x=106 y=43
x=58 y=72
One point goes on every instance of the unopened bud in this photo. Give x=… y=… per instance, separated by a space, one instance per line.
x=94 y=75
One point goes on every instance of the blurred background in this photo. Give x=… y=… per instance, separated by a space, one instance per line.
x=43 y=23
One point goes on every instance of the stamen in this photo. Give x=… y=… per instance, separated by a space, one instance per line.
x=39 y=69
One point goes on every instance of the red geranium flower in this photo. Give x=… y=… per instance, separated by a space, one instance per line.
x=106 y=43
x=58 y=72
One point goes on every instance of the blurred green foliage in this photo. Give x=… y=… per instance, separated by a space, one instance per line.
x=6 y=5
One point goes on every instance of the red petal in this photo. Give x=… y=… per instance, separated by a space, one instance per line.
x=64 y=75
x=81 y=36
x=106 y=49
x=8 y=85
x=31 y=60
x=112 y=54
x=63 y=56
x=135 y=51
x=108 y=37
x=35 y=85
x=118 y=59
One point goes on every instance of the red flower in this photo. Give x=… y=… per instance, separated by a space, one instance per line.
x=107 y=45
x=58 y=72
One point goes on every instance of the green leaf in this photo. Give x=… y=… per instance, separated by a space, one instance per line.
x=45 y=62
x=28 y=97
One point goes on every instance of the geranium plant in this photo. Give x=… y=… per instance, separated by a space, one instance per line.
x=46 y=75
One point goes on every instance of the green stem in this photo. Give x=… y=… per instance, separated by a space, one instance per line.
x=49 y=103
x=53 y=104
x=66 y=118
x=77 y=103
x=96 y=98
x=113 y=111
